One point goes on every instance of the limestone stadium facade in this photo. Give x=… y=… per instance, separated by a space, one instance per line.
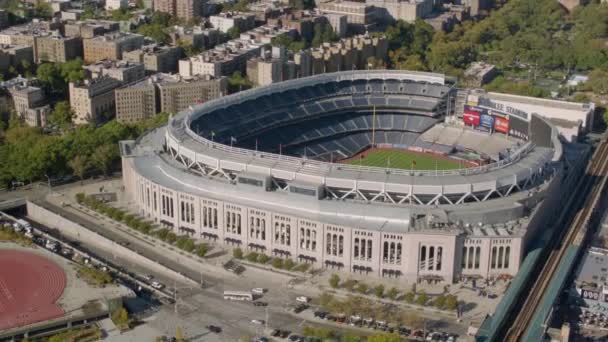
x=264 y=170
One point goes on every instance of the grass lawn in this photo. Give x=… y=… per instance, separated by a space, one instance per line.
x=403 y=160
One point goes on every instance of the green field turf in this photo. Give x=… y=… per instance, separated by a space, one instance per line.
x=403 y=160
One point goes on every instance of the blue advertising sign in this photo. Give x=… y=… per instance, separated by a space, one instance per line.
x=487 y=121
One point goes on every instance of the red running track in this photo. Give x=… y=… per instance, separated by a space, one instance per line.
x=29 y=287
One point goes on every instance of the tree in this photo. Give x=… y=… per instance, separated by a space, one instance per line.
x=120 y=14
x=392 y=293
x=263 y=258
x=171 y=237
x=201 y=250
x=334 y=281
x=440 y=302
x=451 y=302
x=187 y=48
x=43 y=9
x=598 y=81
x=288 y=264
x=62 y=114
x=79 y=164
x=379 y=291
x=120 y=317
x=237 y=253
x=237 y=83
x=422 y=298
x=104 y=157
x=154 y=31
x=234 y=32
x=277 y=263
x=362 y=288
x=252 y=257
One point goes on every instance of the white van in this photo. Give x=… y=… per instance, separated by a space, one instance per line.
x=258 y=290
x=157 y=285
x=302 y=299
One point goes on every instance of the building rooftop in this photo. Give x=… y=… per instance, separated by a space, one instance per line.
x=116 y=36
x=477 y=69
x=108 y=64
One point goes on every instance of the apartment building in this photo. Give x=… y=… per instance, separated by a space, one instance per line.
x=111 y=46
x=89 y=28
x=198 y=37
x=124 y=71
x=407 y=10
x=26 y=97
x=360 y=16
x=156 y=58
x=57 y=49
x=185 y=9
x=271 y=67
x=339 y=23
x=346 y=54
x=93 y=100
x=165 y=93
x=227 y=20
x=303 y=22
x=14 y=55
x=232 y=56
x=112 y=5
x=27 y=34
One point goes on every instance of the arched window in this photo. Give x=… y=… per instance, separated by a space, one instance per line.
x=507 y=256
x=392 y=253
x=227 y=221
x=399 y=253
x=288 y=232
x=263 y=229
x=238 y=223
x=301 y=237
x=438 y=258
x=314 y=240
x=341 y=246
x=422 y=263
x=493 y=263
x=308 y=239
x=500 y=256
x=334 y=245
x=214 y=218
x=277 y=232
x=204 y=216
x=328 y=243
x=356 y=249
x=385 y=252
x=369 y=249
x=477 y=257
x=431 y=258
x=282 y=233
x=471 y=256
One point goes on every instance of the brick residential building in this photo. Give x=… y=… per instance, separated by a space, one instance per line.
x=165 y=93
x=198 y=37
x=57 y=49
x=14 y=55
x=90 y=28
x=93 y=100
x=124 y=71
x=232 y=56
x=156 y=58
x=361 y=17
x=184 y=9
x=227 y=20
x=111 y=46
x=30 y=105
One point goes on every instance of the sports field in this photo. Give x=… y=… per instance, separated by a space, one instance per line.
x=401 y=159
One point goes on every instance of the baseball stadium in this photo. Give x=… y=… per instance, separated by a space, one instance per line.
x=386 y=173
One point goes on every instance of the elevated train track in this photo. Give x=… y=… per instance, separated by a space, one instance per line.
x=578 y=212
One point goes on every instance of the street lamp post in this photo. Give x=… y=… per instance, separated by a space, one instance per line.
x=49 y=183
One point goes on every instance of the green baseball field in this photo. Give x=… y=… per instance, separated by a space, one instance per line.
x=402 y=159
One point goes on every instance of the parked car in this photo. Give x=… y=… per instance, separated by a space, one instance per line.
x=148 y=277
x=296 y=338
x=157 y=285
x=320 y=314
x=261 y=339
x=214 y=329
x=258 y=321
x=260 y=304
x=284 y=333
x=302 y=299
x=299 y=308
